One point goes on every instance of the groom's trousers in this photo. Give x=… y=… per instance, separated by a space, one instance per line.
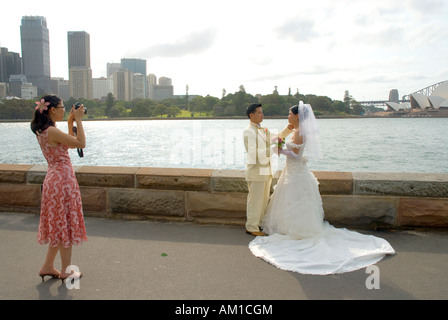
x=257 y=201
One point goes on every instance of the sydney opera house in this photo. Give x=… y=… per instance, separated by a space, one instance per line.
x=424 y=102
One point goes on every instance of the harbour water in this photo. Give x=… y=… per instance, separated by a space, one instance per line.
x=351 y=145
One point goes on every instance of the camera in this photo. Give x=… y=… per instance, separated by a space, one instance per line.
x=78 y=104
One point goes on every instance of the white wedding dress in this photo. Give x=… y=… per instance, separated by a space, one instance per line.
x=299 y=239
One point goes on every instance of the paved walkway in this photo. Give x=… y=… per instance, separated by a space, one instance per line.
x=182 y=261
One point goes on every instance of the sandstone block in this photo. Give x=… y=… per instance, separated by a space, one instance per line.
x=36 y=174
x=94 y=199
x=13 y=173
x=423 y=212
x=118 y=177
x=20 y=195
x=229 y=181
x=334 y=182
x=401 y=184
x=360 y=210
x=147 y=202
x=230 y=207
x=174 y=179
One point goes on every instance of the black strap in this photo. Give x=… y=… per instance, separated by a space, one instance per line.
x=80 y=151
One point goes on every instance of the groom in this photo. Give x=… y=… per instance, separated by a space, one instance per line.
x=259 y=172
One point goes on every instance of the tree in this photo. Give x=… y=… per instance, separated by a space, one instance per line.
x=17 y=109
x=160 y=110
x=173 y=111
x=340 y=107
x=118 y=111
x=347 y=99
x=357 y=107
x=110 y=102
x=218 y=111
x=320 y=103
x=211 y=102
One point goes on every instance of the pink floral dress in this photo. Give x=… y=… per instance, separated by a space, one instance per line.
x=61 y=215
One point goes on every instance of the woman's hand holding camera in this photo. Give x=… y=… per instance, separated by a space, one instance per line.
x=76 y=114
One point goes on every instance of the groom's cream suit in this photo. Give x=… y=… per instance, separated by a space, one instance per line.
x=259 y=172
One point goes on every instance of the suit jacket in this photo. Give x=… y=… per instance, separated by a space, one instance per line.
x=257 y=143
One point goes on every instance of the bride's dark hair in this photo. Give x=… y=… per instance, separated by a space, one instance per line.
x=303 y=115
x=42 y=120
x=294 y=109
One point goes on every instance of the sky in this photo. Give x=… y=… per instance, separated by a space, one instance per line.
x=321 y=47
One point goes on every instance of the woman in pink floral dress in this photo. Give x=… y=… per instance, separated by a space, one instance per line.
x=61 y=218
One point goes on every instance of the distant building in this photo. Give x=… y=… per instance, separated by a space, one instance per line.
x=15 y=84
x=136 y=66
x=436 y=100
x=4 y=89
x=35 y=40
x=102 y=87
x=60 y=86
x=10 y=63
x=152 y=79
x=81 y=85
x=393 y=96
x=163 y=90
x=123 y=80
x=112 y=68
x=80 y=73
x=64 y=89
x=28 y=91
x=138 y=86
x=78 y=49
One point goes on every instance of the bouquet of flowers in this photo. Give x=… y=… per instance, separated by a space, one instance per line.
x=278 y=141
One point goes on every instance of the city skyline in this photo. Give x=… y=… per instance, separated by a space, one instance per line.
x=323 y=47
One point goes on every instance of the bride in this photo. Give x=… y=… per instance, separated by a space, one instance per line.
x=299 y=239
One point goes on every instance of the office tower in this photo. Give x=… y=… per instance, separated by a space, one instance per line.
x=163 y=90
x=78 y=49
x=152 y=79
x=80 y=73
x=60 y=86
x=393 y=96
x=28 y=91
x=35 y=40
x=112 y=68
x=102 y=87
x=10 y=63
x=136 y=66
x=123 y=80
x=81 y=83
x=16 y=81
x=4 y=89
x=138 y=86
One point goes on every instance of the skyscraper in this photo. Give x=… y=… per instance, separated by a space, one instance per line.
x=80 y=73
x=35 y=40
x=136 y=66
x=78 y=49
x=10 y=64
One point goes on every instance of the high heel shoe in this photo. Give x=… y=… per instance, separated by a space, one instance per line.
x=43 y=275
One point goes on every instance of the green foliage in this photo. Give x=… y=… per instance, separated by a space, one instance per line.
x=229 y=105
x=17 y=109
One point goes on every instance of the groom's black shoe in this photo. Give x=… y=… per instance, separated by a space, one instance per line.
x=256 y=233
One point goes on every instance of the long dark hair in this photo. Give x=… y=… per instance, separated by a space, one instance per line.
x=42 y=120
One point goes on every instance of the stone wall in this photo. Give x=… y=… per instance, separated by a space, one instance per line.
x=371 y=200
